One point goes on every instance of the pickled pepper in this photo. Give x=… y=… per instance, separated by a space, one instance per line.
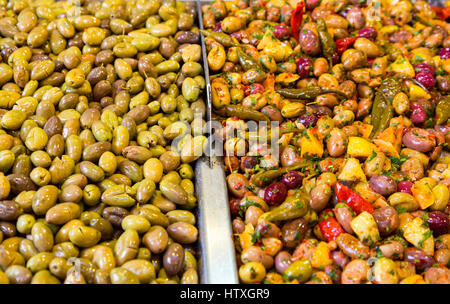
x=309 y=93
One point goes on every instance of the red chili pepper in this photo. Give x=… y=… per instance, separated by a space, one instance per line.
x=343 y=44
x=329 y=226
x=441 y=12
x=297 y=18
x=352 y=199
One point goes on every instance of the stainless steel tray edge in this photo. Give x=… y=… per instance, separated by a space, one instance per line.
x=217 y=263
x=217 y=260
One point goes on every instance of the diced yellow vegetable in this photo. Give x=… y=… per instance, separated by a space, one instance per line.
x=414 y=279
x=422 y=54
x=271 y=245
x=423 y=194
x=280 y=3
x=384 y=271
x=446 y=65
x=418 y=27
x=364 y=190
x=245 y=238
x=386 y=147
x=363 y=129
x=267 y=40
x=274 y=47
x=403 y=219
x=311 y=145
x=366 y=228
x=437 y=61
x=321 y=256
x=402 y=66
x=417 y=233
x=286 y=78
x=442 y=196
x=359 y=147
x=416 y=92
x=352 y=171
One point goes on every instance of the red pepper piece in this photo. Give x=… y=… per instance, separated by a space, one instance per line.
x=352 y=199
x=343 y=44
x=441 y=12
x=329 y=226
x=297 y=18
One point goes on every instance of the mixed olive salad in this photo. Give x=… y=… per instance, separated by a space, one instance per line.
x=100 y=120
x=359 y=192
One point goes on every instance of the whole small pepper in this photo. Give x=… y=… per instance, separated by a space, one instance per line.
x=329 y=226
x=241 y=112
x=293 y=207
x=297 y=18
x=309 y=93
x=382 y=109
x=247 y=61
x=441 y=12
x=352 y=199
x=264 y=178
x=222 y=38
x=328 y=44
x=343 y=44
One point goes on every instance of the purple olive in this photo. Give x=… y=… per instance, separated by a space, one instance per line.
x=405 y=186
x=282 y=261
x=237 y=35
x=438 y=222
x=292 y=179
x=368 y=32
x=217 y=27
x=382 y=184
x=322 y=111
x=423 y=67
x=311 y=4
x=418 y=114
x=444 y=53
x=281 y=31
x=304 y=66
x=308 y=120
x=275 y=193
x=418 y=258
x=335 y=58
x=249 y=162
x=426 y=79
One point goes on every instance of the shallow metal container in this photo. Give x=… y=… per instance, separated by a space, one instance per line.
x=217 y=264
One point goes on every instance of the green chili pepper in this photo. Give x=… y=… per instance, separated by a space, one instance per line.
x=443 y=110
x=308 y=93
x=379 y=104
x=390 y=87
x=328 y=44
x=247 y=61
x=242 y=113
x=222 y=38
x=382 y=109
x=293 y=207
x=264 y=178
